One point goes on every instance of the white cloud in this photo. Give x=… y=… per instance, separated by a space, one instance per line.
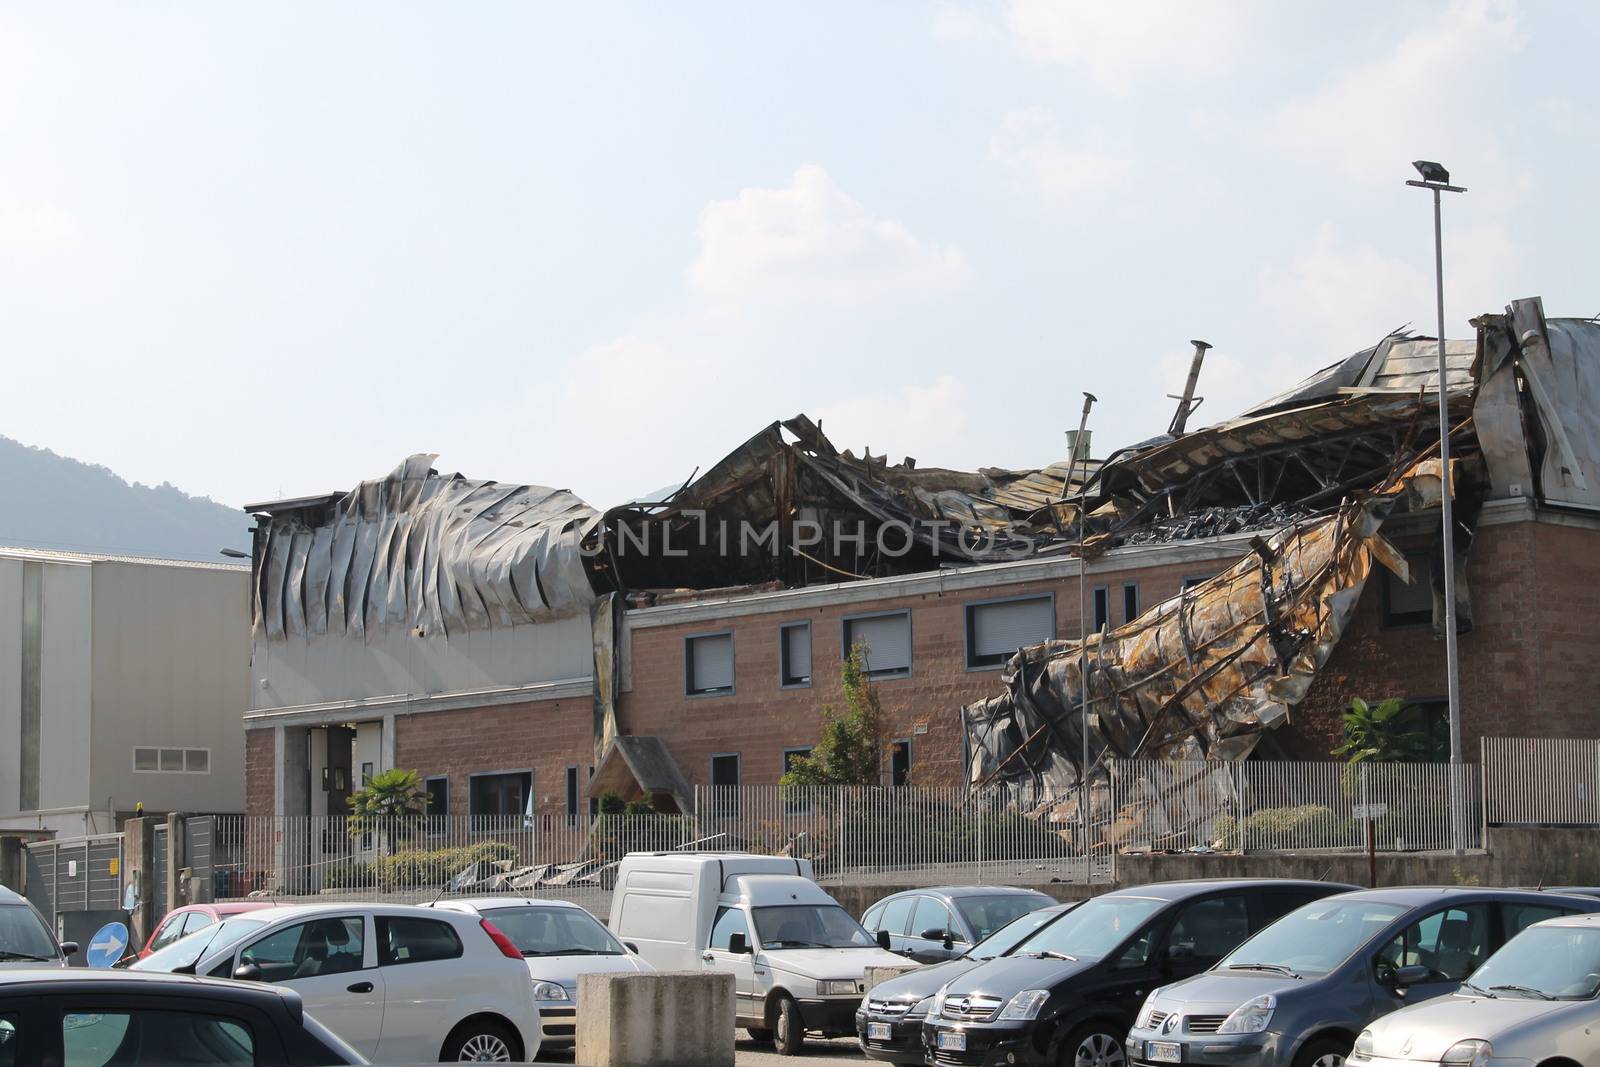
x=1128 y=40
x=928 y=421
x=809 y=241
x=964 y=22
x=1033 y=151
x=1417 y=101
x=38 y=223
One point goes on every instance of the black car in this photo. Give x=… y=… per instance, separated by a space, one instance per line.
x=1070 y=992
x=78 y=1016
x=889 y=1021
x=25 y=938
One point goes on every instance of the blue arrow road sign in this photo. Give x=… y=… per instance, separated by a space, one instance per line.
x=107 y=945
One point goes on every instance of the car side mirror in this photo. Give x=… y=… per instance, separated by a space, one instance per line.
x=883 y=940
x=69 y=948
x=932 y=933
x=738 y=944
x=247 y=972
x=631 y=947
x=1412 y=975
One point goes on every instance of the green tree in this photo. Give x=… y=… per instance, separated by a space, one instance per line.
x=392 y=800
x=1378 y=733
x=850 y=751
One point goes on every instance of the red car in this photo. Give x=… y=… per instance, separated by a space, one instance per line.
x=192 y=917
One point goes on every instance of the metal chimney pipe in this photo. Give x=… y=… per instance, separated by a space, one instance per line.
x=1187 y=403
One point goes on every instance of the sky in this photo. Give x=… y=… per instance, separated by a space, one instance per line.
x=271 y=250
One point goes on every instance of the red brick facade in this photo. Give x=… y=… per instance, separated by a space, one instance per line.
x=260 y=762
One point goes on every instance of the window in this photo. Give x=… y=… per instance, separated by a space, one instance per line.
x=790 y=755
x=930 y=915
x=1409 y=604
x=794 y=654
x=197 y=920
x=887 y=639
x=172 y=760
x=1197 y=579
x=98 y=1038
x=1130 y=601
x=730 y=921
x=997 y=629
x=407 y=940
x=168 y=932
x=985 y=915
x=724 y=784
x=572 y=796
x=8 y=1040
x=554 y=931
x=1518 y=917
x=1102 y=608
x=438 y=796
x=594 y=802
x=308 y=949
x=897 y=914
x=708 y=664
x=900 y=763
x=1450 y=943
x=501 y=794
x=1208 y=930
x=796 y=801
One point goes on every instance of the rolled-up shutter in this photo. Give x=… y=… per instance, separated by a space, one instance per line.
x=888 y=641
x=796 y=654
x=710 y=663
x=1001 y=629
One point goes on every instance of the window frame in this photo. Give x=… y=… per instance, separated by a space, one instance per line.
x=910 y=757
x=845 y=643
x=475 y=775
x=574 y=788
x=1100 y=608
x=379 y=929
x=183 y=759
x=1130 y=604
x=1388 y=618
x=53 y=1010
x=783 y=654
x=969 y=618
x=688 y=665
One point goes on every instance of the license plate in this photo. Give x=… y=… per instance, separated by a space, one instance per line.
x=953 y=1042
x=1163 y=1052
x=879 y=1032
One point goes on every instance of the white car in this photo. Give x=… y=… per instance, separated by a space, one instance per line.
x=1536 y=1001
x=559 y=940
x=400 y=984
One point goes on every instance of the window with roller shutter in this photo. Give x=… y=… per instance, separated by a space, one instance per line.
x=708 y=664
x=997 y=628
x=887 y=637
x=794 y=655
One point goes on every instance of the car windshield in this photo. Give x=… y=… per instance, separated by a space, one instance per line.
x=1313 y=939
x=1012 y=934
x=1545 y=961
x=809 y=926
x=1092 y=929
x=987 y=914
x=186 y=951
x=546 y=931
x=23 y=936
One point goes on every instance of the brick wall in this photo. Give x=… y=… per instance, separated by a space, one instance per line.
x=759 y=719
x=544 y=736
x=260 y=762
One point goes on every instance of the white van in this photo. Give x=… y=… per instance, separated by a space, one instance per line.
x=798 y=959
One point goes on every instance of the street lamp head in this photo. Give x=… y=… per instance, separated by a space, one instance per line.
x=1432 y=172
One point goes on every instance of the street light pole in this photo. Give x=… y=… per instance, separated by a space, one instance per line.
x=1437 y=180
x=1080 y=443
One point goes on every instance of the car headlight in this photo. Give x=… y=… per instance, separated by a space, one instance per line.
x=1146 y=1011
x=1026 y=1004
x=1363 y=1045
x=549 y=991
x=838 y=987
x=923 y=1007
x=1471 y=1053
x=1251 y=1017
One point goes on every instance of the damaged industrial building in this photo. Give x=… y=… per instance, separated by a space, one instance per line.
x=1241 y=583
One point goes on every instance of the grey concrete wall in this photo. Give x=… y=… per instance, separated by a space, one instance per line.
x=662 y=1019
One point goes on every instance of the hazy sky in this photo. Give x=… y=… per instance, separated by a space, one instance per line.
x=275 y=248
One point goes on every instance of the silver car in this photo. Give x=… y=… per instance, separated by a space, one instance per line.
x=1534 y=1002
x=1297 y=993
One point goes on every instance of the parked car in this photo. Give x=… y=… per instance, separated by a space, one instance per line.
x=889 y=1021
x=1069 y=993
x=1298 y=993
x=559 y=941
x=190 y=918
x=942 y=923
x=797 y=958
x=25 y=938
x=83 y=1016
x=400 y=984
x=1534 y=1001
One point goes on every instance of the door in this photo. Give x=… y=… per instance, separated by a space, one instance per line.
x=749 y=995
x=421 y=981
x=930 y=917
x=330 y=962
x=1451 y=943
x=896 y=919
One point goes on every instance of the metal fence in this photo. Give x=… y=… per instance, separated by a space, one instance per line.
x=1541 y=781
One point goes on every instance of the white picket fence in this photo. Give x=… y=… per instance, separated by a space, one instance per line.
x=1541 y=781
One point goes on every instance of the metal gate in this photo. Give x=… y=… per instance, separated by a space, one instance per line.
x=75 y=874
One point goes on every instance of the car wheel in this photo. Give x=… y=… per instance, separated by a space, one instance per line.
x=758 y=1034
x=789 y=1033
x=1323 y=1052
x=1092 y=1045
x=479 y=1042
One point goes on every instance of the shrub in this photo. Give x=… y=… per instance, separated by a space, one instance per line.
x=414 y=867
x=1303 y=826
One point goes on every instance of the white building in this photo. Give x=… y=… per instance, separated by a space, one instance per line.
x=122 y=681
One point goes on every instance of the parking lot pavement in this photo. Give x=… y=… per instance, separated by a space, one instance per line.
x=816 y=1052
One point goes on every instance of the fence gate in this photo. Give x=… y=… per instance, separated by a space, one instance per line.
x=71 y=875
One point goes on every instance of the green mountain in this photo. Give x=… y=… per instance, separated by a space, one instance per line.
x=50 y=501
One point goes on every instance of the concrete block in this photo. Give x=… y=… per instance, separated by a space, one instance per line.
x=876 y=976
x=661 y=1019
